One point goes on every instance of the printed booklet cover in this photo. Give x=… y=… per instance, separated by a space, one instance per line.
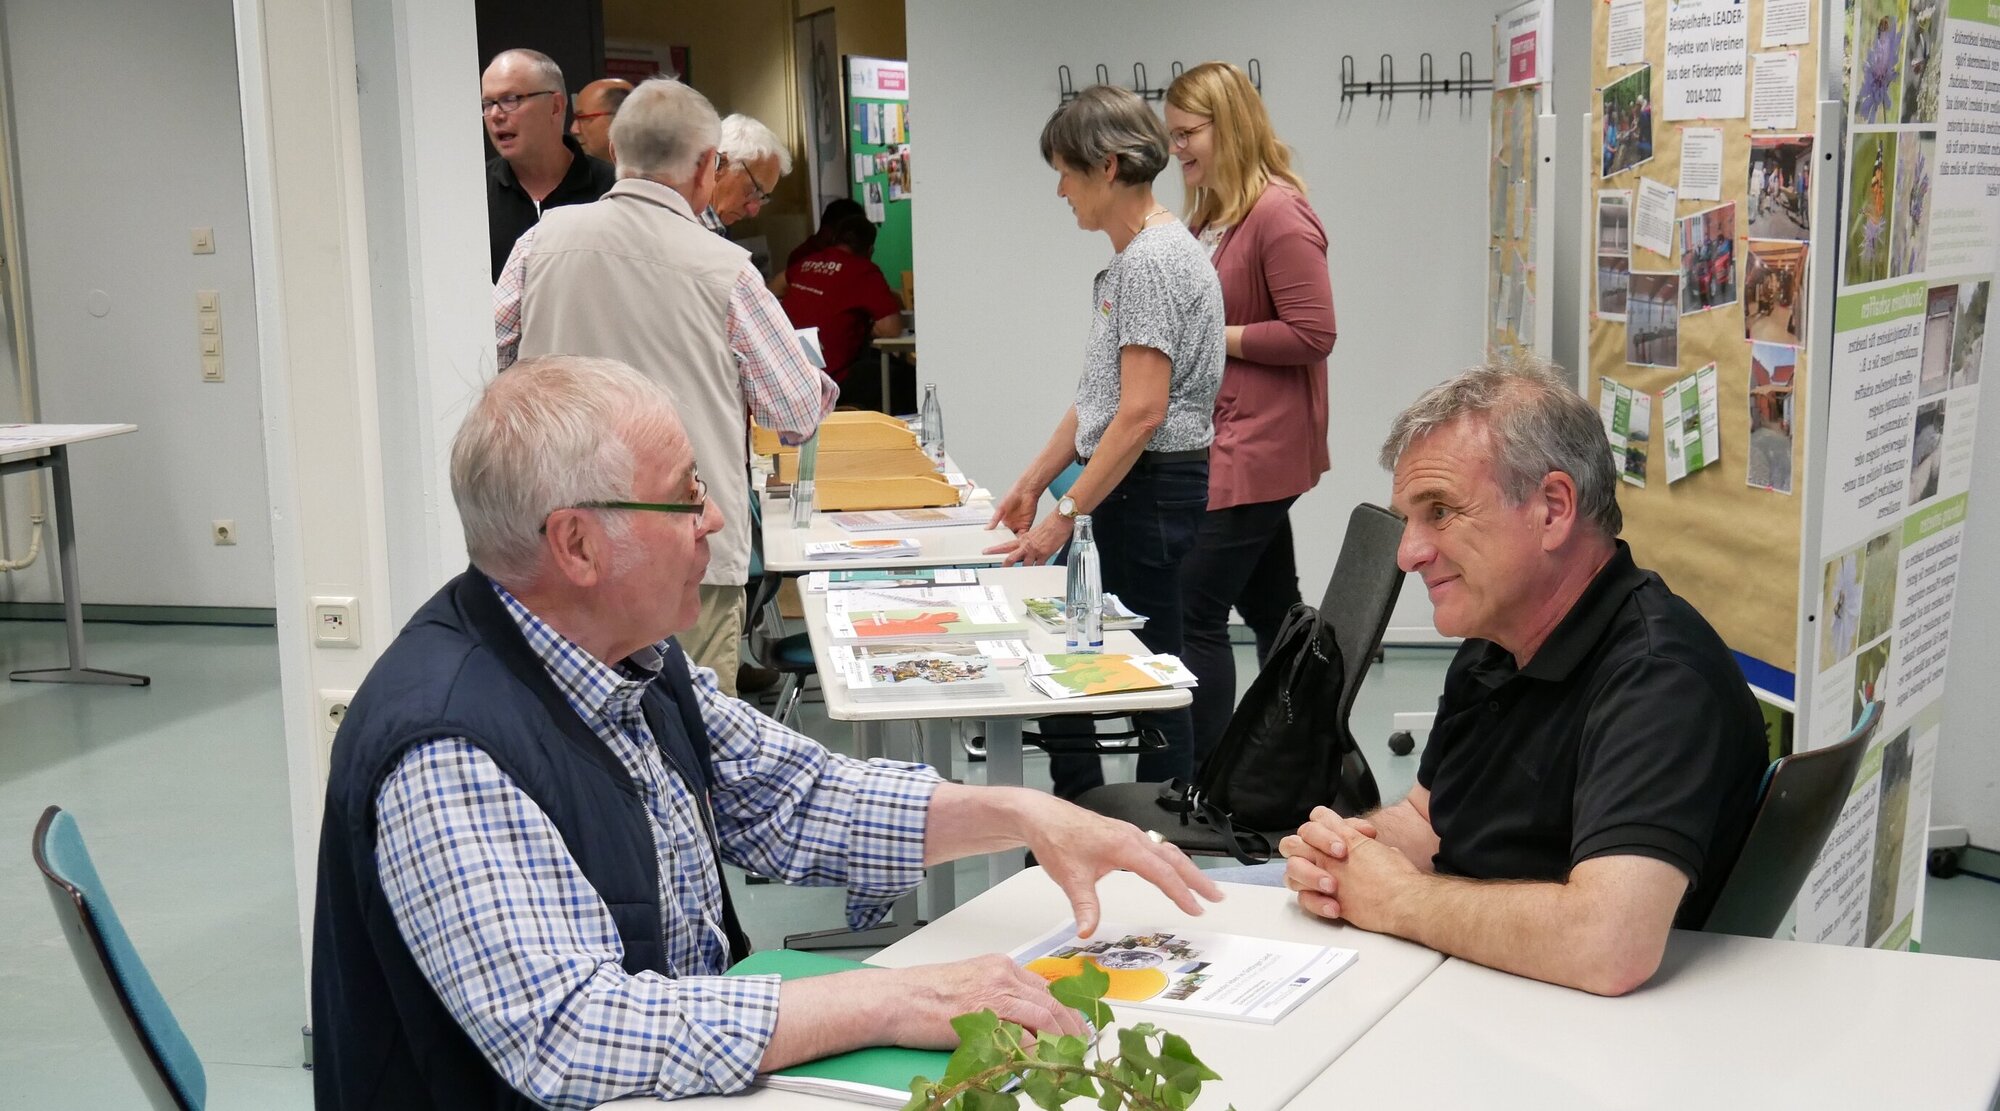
x=1053 y=612
x=1077 y=674
x=874 y=672
x=819 y=582
x=939 y=613
x=877 y=520
x=1251 y=979
x=872 y=548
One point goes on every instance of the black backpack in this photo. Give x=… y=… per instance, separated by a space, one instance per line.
x=1286 y=750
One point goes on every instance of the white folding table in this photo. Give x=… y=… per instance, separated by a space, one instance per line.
x=49 y=444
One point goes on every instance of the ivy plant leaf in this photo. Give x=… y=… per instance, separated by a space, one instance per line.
x=976 y=1099
x=1181 y=1067
x=1085 y=992
x=1080 y=1083
x=922 y=1091
x=1135 y=1051
x=976 y=1050
x=1041 y=1086
x=1069 y=1050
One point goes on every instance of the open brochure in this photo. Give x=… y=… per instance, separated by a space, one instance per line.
x=921 y=616
x=1251 y=979
x=883 y=672
x=1053 y=613
x=819 y=582
x=879 y=520
x=870 y=548
x=1075 y=675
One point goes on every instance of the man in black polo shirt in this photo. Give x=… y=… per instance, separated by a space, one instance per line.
x=1596 y=754
x=537 y=166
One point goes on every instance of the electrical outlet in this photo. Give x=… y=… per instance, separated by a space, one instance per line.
x=202 y=241
x=224 y=532
x=333 y=709
x=336 y=622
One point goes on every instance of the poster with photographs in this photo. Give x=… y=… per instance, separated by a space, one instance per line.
x=1511 y=245
x=1772 y=370
x=1919 y=232
x=1708 y=259
x=1781 y=168
x=1626 y=110
x=1774 y=291
x=1653 y=319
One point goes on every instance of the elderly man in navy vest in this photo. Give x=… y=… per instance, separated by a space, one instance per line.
x=520 y=892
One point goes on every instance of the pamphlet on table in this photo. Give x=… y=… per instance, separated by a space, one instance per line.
x=1076 y=675
x=1053 y=613
x=879 y=520
x=819 y=582
x=922 y=616
x=870 y=548
x=887 y=672
x=1251 y=979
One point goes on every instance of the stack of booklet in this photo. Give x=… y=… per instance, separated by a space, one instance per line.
x=819 y=582
x=876 y=520
x=879 y=1076
x=887 y=672
x=889 y=546
x=1076 y=675
x=1053 y=613
x=922 y=615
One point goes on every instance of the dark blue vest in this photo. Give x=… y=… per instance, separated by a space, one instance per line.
x=460 y=668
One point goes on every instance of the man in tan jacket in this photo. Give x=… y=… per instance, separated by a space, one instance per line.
x=635 y=277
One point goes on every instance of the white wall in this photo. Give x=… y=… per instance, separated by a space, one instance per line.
x=1005 y=274
x=129 y=134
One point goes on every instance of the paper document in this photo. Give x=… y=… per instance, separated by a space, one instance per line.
x=1251 y=979
x=819 y=582
x=879 y=1076
x=877 y=520
x=864 y=549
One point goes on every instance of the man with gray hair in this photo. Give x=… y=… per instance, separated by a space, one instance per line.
x=535 y=167
x=521 y=901
x=1595 y=759
x=753 y=161
x=634 y=277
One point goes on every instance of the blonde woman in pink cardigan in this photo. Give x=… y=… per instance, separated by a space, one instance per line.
x=1250 y=210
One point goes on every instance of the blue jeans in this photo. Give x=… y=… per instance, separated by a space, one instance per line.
x=1145 y=529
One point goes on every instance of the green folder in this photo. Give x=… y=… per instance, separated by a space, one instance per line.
x=879 y=1075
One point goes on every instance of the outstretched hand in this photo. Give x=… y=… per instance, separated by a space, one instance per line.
x=1077 y=848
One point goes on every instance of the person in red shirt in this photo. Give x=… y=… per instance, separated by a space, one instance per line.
x=842 y=293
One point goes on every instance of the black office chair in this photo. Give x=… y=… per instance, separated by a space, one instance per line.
x=140 y=1022
x=1797 y=806
x=1359 y=599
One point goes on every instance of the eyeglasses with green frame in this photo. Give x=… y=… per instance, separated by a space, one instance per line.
x=697 y=507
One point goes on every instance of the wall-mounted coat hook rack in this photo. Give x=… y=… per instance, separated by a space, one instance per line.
x=1427 y=83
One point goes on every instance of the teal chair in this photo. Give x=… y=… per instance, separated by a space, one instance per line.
x=144 y=1028
x=1797 y=806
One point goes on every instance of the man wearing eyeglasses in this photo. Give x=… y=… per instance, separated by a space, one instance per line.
x=535 y=167
x=521 y=901
x=596 y=104
x=753 y=161
x=636 y=278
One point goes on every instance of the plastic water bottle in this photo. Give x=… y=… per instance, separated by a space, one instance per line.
x=1083 y=607
x=930 y=424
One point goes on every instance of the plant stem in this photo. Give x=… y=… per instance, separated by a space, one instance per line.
x=1134 y=1098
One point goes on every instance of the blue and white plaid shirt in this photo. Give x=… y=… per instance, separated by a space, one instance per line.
x=523 y=952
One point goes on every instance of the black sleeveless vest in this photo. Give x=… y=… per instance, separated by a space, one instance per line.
x=461 y=668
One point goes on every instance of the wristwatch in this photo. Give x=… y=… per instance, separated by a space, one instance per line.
x=1066 y=507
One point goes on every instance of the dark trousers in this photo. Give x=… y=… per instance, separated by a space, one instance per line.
x=1242 y=557
x=861 y=385
x=1144 y=530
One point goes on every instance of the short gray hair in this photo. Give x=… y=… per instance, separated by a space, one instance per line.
x=662 y=129
x=1103 y=121
x=545 y=67
x=745 y=139
x=1538 y=424
x=548 y=433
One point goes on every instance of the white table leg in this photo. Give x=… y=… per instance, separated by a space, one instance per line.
x=58 y=466
x=1003 y=768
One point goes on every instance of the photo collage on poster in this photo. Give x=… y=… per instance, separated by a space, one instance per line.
x=1728 y=235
